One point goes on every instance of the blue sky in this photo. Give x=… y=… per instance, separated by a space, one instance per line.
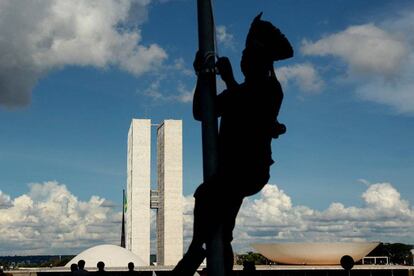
x=74 y=75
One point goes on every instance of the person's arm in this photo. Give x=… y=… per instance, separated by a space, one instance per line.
x=225 y=70
x=226 y=73
x=197 y=65
x=277 y=128
x=197 y=103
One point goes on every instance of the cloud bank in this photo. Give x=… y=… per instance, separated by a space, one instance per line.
x=273 y=217
x=379 y=60
x=38 y=37
x=49 y=219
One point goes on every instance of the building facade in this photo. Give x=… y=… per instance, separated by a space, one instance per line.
x=166 y=199
x=170 y=190
x=138 y=217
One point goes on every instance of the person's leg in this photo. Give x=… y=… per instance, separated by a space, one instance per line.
x=196 y=253
x=229 y=221
x=188 y=265
x=233 y=195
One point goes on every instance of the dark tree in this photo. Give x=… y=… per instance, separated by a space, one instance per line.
x=256 y=258
x=399 y=253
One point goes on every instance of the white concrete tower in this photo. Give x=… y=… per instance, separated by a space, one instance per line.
x=138 y=189
x=170 y=183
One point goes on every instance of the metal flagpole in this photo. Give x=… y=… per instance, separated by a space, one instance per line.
x=207 y=86
x=123 y=220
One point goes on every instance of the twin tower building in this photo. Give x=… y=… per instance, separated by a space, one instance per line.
x=167 y=199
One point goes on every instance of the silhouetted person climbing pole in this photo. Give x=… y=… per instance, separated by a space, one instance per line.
x=248 y=123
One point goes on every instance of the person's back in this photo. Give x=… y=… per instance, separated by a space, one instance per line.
x=249 y=111
x=248 y=115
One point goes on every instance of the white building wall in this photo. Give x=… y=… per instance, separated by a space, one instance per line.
x=138 y=189
x=170 y=181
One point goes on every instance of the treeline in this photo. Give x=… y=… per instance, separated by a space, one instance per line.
x=34 y=261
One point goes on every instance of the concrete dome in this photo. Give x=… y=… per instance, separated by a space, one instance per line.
x=111 y=255
x=318 y=253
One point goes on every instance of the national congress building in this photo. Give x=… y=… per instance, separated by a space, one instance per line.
x=166 y=199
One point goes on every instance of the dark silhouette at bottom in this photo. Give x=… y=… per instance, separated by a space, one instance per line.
x=248 y=267
x=131 y=267
x=73 y=268
x=101 y=268
x=347 y=262
x=81 y=268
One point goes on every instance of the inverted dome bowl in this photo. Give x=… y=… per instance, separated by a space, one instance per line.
x=318 y=253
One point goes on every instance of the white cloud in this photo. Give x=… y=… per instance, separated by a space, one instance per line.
x=40 y=36
x=384 y=196
x=365 y=48
x=397 y=94
x=161 y=90
x=224 y=37
x=188 y=219
x=304 y=75
x=184 y=95
x=153 y=90
x=379 y=59
x=5 y=201
x=179 y=65
x=171 y=84
x=273 y=217
x=50 y=219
